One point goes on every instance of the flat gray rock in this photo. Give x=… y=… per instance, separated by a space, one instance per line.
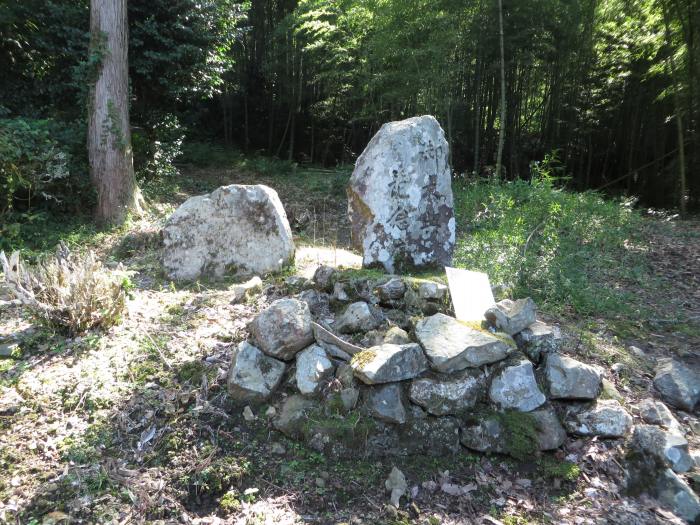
x=674 y=493
x=313 y=368
x=550 y=433
x=655 y=412
x=568 y=378
x=515 y=387
x=605 y=418
x=539 y=339
x=283 y=328
x=253 y=376
x=388 y=363
x=448 y=396
x=451 y=345
x=669 y=447
x=678 y=385
x=400 y=201
x=512 y=317
x=432 y=291
x=391 y=291
x=236 y=229
x=357 y=317
x=385 y=403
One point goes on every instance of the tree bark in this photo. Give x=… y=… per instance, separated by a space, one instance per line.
x=502 y=127
x=109 y=135
x=671 y=68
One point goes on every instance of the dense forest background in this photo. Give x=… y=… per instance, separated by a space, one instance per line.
x=603 y=93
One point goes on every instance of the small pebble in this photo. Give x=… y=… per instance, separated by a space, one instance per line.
x=248 y=414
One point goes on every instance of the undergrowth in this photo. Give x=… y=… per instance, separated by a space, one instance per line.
x=573 y=253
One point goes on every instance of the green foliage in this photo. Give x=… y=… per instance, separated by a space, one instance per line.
x=32 y=164
x=157 y=147
x=571 y=252
x=218 y=476
x=552 y=468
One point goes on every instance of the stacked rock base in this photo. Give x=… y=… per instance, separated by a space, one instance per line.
x=379 y=367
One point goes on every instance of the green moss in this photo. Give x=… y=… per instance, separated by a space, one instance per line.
x=552 y=468
x=520 y=432
x=191 y=372
x=219 y=476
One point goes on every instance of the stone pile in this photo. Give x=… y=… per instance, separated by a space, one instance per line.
x=378 y=366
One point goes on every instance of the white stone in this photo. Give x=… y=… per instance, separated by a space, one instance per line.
x=313 y=366
x=400 y=197
x=515 y=387
x=236 y=229
x=253 y=376
x=606 y=418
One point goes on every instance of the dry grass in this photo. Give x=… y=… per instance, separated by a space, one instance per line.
x=72 y=293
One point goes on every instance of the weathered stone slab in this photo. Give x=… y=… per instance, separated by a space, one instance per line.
x=448 y=396
x=313 y=367
x=387 y=363
x=489 y=434
x=253 y=376
x=385 y=403
x=669 y=447
x=236 y=229
x=605 y=418
x=515 y=387
x=538 y=340
x=656 y=413
x=451 y=345
x=400 y=197
x=512 y=317
x=568 y=378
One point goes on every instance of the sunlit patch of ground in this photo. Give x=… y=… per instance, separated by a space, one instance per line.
x=308 y=258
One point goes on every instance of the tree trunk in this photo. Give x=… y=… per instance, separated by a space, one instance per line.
x=502 y=130
x=109 y=136
x=671 y=68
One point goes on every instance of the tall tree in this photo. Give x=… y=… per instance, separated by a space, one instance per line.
x=109 y=135
x=502 y=127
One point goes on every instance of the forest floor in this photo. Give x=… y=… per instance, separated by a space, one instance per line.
x=133 y=424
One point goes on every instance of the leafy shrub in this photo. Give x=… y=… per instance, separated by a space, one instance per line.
x=155 y=152
x=43 y=166
x=31 y=162
x=69 y=292
x=571 y=252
